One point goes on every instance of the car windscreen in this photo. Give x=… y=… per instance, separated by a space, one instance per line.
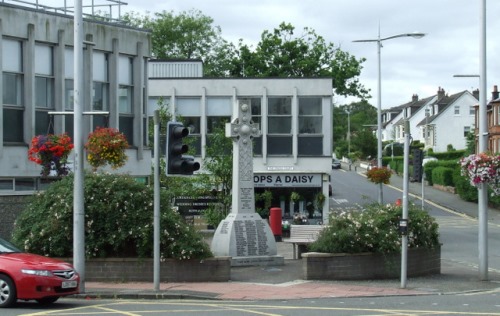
x=6 y=247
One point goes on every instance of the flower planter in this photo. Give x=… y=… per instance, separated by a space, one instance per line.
x=369 y=266
x=216 y=269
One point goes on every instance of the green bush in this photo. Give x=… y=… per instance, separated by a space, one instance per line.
x=463 y=188
x=442 y=175
x=118 y=221
x=375 y=229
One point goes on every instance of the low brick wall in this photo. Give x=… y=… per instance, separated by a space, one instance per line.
x=369 y=266
x=141 y=270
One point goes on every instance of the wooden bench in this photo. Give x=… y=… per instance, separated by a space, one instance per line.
x=301 y=236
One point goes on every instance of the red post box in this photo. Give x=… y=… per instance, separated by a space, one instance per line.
x=275 y=222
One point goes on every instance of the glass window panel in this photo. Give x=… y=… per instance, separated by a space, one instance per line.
x=188 y=106
x=127 y=128
x=310 y=146
x=12 y=89
x=279 y=145
x=193 y=123
x=125 y=99
x=68 y=126
x=280 y=106
x=309 y=106
x=125 y=70
x=13 y=125
x=6 y=184
x=44 y=60
x=153 y=104
x=214 y=122
x=43 y=123
x=12 y=53
x=257 y=146
x=69 y=63
x=279 y=125
x=310 y=125
x=100 y=121
x=25 y=184
x=68 y=94
x=44 y=92
x=100 y=66
x=100 y=97
x=219 y=106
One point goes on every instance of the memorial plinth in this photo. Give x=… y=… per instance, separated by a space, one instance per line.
x=244 y=235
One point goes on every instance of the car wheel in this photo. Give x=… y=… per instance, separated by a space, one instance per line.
x=47 y=300
x=7 y=291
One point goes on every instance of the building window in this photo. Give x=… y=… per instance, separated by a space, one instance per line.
x=100 y=89
x=466 y=130
x=44 y=89
x=218 y=113
x=190 y=112
x=457 y=109
x=472 y=110
x=279 y=126
x=310 y=138
x=13 y=91
x=125 y=98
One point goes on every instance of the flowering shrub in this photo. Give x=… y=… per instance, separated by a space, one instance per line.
x=375 y=229
x=118 y=221
x=106 y=146
x=51 y=152
x=482 y=168
x=379 y=175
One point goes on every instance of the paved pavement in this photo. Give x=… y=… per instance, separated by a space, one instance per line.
x=285 y=283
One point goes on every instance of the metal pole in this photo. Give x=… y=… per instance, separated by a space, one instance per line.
x=379 y=118
x=78 y=195
x=156 y=201
x=348 y=133
x=483 y=138
x=404 y=237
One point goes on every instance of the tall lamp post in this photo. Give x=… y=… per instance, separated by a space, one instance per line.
x=379 y=41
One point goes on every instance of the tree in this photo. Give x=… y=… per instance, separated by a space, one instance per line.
x=362 y=115
x=281 y=54
x=187 y=35
x=218 y=163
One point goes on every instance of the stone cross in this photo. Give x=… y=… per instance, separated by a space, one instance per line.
x=242 y=130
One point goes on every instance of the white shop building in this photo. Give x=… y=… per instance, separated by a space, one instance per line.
x=293 y=153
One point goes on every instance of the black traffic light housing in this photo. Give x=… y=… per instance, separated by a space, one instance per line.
x=177 y=162
x=418 y=156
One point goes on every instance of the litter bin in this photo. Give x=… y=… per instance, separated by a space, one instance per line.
x=275 y=222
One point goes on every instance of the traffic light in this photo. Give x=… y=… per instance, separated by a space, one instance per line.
x=418 y=156
x=177 y=162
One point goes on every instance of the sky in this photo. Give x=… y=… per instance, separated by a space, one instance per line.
x=408 y=66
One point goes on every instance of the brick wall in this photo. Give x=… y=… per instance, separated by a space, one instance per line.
x=365 y=266
x=140 y=270
x=10 y=207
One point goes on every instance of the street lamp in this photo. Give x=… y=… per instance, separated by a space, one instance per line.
x=379 y=41
x=348 y=110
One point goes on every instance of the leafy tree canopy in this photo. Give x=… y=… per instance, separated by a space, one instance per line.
x=187 y=35
x=282 y=54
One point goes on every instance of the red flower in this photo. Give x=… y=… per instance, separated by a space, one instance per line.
x=51 y=152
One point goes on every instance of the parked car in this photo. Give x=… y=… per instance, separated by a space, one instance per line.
x=26 y=276
x=335 y=163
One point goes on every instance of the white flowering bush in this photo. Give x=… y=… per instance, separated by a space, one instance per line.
x=118 y=221
x=374 y=228
x=482 y=168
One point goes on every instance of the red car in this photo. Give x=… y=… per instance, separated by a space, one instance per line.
x=25 y=276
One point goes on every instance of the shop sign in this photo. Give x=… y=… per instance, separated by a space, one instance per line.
x=286 y=180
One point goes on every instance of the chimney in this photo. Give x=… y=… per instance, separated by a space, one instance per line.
x=475 y=93
x=414 y=98
x=440 y=93
x=494 y=94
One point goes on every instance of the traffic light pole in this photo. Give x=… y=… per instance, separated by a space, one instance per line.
x=156 y=202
